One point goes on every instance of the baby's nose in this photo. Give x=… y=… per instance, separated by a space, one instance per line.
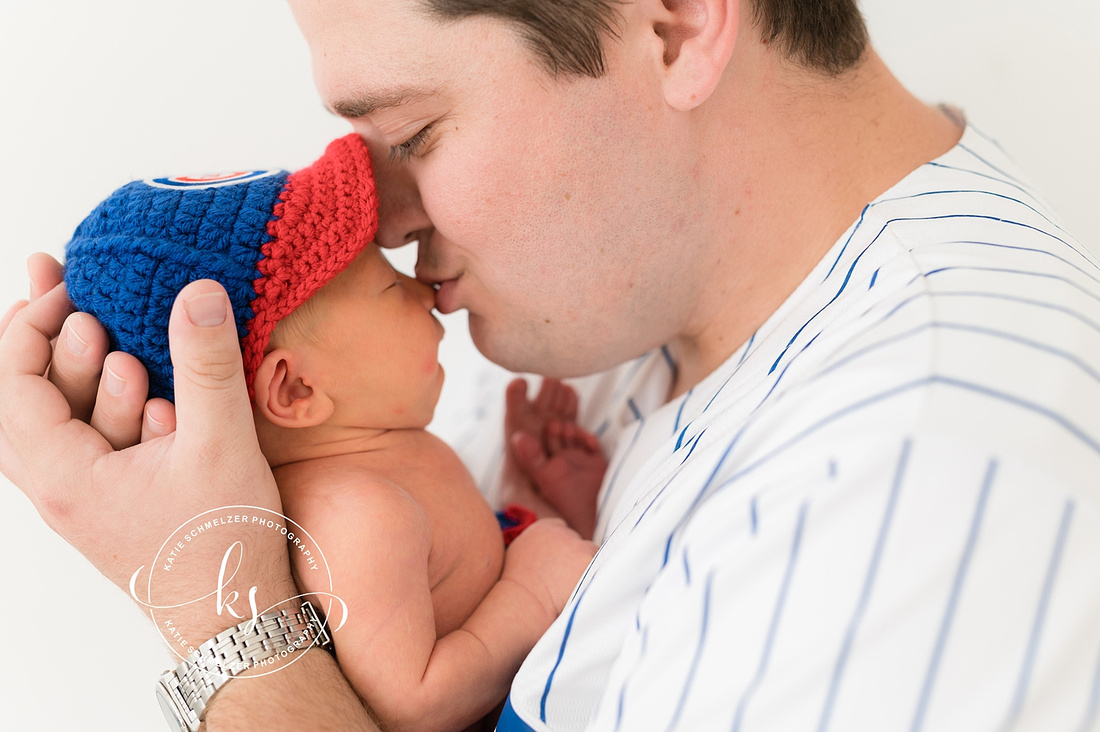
x=426 y=293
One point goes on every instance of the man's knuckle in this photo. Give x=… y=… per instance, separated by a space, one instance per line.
x=115 y=417
x=55 y=511
x=214 y=371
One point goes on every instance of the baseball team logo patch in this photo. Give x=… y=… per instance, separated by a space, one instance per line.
x=217 y=180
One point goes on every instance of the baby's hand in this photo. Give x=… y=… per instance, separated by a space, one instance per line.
x=548 y=558
x=551 y=456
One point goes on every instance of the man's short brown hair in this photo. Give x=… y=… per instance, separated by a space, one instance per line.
x=567 y=35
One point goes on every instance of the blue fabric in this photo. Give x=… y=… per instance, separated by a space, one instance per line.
x=505 y=521
x=132 y=255
x=510 y=722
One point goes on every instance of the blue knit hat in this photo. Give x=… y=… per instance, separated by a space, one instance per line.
x=271 y=238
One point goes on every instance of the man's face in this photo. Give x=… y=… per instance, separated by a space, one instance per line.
x=554 y=210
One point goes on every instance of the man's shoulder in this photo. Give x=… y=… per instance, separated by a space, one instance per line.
x=956 y=307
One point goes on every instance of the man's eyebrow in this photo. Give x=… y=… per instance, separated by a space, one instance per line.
x=367 y=103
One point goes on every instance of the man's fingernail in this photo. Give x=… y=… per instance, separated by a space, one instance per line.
x=207 y=310
x=75 y=343
x=114 y=383
x=155 y=424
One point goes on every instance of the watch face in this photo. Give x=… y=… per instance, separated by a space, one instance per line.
x=168 y=706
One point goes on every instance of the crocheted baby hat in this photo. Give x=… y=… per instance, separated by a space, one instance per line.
x=271 y=238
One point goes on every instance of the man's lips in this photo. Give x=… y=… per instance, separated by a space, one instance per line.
x=446 y=296
x=445 y=283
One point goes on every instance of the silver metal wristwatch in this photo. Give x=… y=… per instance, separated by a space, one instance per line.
x=185 y=691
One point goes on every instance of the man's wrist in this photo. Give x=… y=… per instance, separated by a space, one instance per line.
x=185 y=628
x=260 y=645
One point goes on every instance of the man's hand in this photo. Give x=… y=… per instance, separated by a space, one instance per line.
x=114 y=476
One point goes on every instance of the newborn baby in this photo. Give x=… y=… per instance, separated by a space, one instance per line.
x=340 y=353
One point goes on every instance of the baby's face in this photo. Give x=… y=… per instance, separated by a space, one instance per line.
x=375 y=344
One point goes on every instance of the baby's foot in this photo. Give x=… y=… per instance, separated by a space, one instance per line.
x=556 y=460
x=571 y=477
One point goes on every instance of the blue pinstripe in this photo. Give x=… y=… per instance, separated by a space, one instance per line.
x=773 y=626
x=1058 y=419
x=984 y=296
x=690 y=512
x=977 y=173
x=694 y=444
x=993 y=167
x=843 y=249
x=690 y=680
x=671 y=363
x=680 y=413
x=652 y=503
x=748 y=349
x=668 y=482
x=1040 y=618
x=744 y=355
x=932 y=326
x=865 y=595
x=619 y=467
x=1089 y=719
x=622 y=691
x=783 y=373
x=629 y=378
x=561 y=655
x=952 y=602
x=1022 y=273
x=976 y=192
x=892 y=221
x=1030 y=250
x=991 y=141
x=994 y=219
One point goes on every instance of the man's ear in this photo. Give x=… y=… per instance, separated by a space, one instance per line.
x=286 y=395
x=698 y=37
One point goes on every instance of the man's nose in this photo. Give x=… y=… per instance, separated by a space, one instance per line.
x=401 y=215
x=426 y=293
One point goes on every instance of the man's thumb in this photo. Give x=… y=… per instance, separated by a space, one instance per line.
x=211 y=396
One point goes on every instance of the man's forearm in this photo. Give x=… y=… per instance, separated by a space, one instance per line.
x=310 y=693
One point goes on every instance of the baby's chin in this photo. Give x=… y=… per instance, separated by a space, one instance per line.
x=441 y=377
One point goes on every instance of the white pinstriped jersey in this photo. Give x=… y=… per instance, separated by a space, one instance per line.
x=882 y=513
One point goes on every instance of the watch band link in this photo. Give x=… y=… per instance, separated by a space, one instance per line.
x=235 y=650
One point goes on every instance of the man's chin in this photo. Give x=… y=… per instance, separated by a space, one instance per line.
x=532 y=353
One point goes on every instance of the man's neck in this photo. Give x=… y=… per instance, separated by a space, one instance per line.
x=796 y=157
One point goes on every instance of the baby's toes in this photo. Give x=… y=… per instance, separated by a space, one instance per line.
x=565 y=403
x=554 y=437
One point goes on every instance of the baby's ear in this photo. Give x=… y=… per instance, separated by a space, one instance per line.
x=286 y=395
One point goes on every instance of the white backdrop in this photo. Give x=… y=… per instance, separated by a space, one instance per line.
x=94 y=94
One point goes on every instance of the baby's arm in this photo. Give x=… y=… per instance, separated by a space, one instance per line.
x=377 y=541
x=552 y=464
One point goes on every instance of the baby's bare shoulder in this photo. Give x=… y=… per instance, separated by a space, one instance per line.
x=345 y=493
